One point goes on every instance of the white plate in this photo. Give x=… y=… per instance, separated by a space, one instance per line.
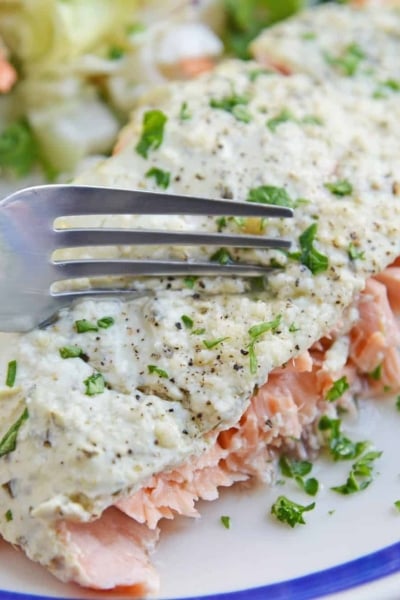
x=347 y=543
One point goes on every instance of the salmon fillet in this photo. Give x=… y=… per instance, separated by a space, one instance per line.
x=113 y=550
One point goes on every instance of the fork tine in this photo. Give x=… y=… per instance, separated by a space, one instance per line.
x=99 y=268
x=65 y=238
x=71 y=200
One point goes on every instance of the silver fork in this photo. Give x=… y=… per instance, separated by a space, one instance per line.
x=28 y=239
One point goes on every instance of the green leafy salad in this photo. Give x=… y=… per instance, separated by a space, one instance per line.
x=82 y=64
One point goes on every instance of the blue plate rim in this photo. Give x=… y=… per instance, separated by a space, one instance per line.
x=360 y=571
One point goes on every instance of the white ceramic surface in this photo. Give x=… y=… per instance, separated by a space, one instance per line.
x=201 y=557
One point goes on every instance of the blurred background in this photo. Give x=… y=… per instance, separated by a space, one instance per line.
x=71 y=72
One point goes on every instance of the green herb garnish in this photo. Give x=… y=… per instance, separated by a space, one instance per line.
x=376 y=374
x=340 y=447
x=184 y=113
x=234 y=104
x=290 y=512
x=95 y=384
x=269 y=194
x=71 y=352
x=297 y=469
x=9 y=441
x=311 y=120
x=256 y=73
x=83 y=326
x=397 y=504
x=11 y=373
x=354 y=253
x=360 y=475
x=283 y=117
x=187 y=321
x=349 y=61
x=116 y=53
x=255 y=332
x=226 y=521
x=338 y=389
x=342 y=187
x=190 y=281
x=153 y=369
x=213 y=343
x=105 y=322
x=9 y=516
x=152 y=133
x=162 y=178
x=309 y=35
x=309 y=255
x=222 y=256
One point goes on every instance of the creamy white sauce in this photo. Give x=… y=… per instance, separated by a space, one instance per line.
x=77 y=454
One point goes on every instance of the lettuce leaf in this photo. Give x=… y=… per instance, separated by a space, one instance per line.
x=45 y=35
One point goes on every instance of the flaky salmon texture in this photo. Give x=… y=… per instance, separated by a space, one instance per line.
x=166 y=398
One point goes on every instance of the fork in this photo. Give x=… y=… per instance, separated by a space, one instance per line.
x=29 y=238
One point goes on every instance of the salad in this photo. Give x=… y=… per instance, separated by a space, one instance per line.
x=82 y=65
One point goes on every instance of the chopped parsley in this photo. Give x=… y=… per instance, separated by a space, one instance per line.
x=226 y=521
x=71 y=352
x=162 y=178
x=190 y=281
x=257 y=284
x=116 y=53
x=398 y=403
x=309 y=35
x=153 y=369
x=269 y=194
x=342 y=187
x=384 y=86
x=18 y=149
x=283 y=117
x=338 y=389
x=184 y=113
x=397 y=504
x=256 y=73
x=309 y=255
x=221 y=223
x=83 y=326
x=11 y=373
x=312 y=120
x=9 y=441
x=360 y=475
x=293 y=328
x=297 y=469
x=376 y=374
x=9 y=516
x=340 y=447
x=187 y=321
x=349 y=61
x=234 y=104
x=152 y=133
x=255 y=333
x=213 y=343
x=222 y=256
x=290 y=512
x=354 y=253
x=105 y=322
x=94 y=384
x=198 y=331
